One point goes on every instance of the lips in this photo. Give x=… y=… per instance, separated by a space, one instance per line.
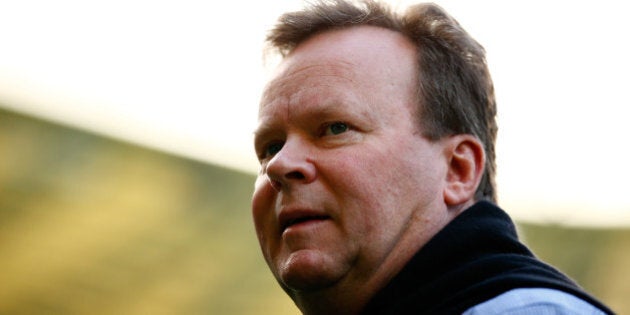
x=289 y=218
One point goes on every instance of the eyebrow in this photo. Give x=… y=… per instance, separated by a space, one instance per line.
x=262 y=130
x=340 y=108
x=333 y=108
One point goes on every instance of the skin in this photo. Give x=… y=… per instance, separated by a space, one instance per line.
x=349 y=189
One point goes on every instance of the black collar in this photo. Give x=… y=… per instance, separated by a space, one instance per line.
x=474 y=258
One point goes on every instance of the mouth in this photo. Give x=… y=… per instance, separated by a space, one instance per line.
x=299 y=218
x=304 y=219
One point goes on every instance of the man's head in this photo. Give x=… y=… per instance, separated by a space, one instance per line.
x=455 y=91
x=354 y=178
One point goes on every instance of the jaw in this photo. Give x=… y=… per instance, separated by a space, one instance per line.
x=316 y=291
x=339 y=298
x=350 y=293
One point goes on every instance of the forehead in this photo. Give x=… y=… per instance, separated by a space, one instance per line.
x=364 y=68
x=360 y=54
x=301 y=74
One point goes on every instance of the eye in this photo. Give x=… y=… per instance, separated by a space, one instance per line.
x=335 y=128
x=272 y=149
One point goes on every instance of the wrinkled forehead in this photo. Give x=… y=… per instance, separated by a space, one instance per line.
x=294 y=74
x=350 y=53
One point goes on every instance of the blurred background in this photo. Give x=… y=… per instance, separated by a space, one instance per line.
x=126 y=166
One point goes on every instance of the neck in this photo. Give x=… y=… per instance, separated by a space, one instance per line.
x=348 y=296
x=334 y=300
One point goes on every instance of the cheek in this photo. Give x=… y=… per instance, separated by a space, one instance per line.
x=263 y=202
x=383 y=180
x=362 y=182
x=370 y=172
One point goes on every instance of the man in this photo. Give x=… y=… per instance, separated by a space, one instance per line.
x=376 y=143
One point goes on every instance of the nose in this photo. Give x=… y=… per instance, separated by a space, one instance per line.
x=291 y=165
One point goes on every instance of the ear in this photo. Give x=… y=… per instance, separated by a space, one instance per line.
x=466 y=161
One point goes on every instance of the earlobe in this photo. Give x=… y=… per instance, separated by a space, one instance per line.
x=466 y=161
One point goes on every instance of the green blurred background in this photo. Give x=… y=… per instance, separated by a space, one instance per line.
x=92 y=225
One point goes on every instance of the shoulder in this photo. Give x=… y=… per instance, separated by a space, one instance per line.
x=529 y=301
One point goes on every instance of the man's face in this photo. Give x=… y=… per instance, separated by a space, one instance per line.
x=348 y=185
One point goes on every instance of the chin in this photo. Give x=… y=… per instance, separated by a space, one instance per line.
x=308 y=270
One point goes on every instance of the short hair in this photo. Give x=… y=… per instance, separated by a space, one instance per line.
x=455 y=90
